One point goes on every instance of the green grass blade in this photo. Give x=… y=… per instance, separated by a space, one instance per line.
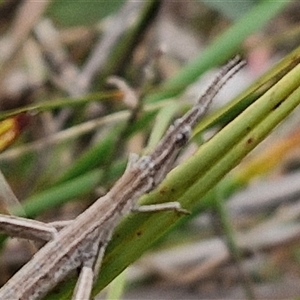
x=61 y=193
x=61 y=103
x=94 y=157
x=223 y=48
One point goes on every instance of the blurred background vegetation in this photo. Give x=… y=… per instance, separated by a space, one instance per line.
x=72 y=126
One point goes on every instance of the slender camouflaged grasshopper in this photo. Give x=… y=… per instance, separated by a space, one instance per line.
x=82 y=242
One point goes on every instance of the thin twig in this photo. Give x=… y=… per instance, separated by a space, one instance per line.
x=115 y=29
x=74 y=132
x=27 y=16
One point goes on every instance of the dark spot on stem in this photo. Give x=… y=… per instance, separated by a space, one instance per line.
x=278 y=104
x=163 y=191
x=250 y=141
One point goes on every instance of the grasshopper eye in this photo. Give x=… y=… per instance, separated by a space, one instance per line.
x=183 y=135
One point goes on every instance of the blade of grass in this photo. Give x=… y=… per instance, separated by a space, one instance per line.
x=94 y=157
x=162 y=122
x=223 y=48
x=60 y=194
x=60 y=103
x=116 y=288
x=122 y=51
